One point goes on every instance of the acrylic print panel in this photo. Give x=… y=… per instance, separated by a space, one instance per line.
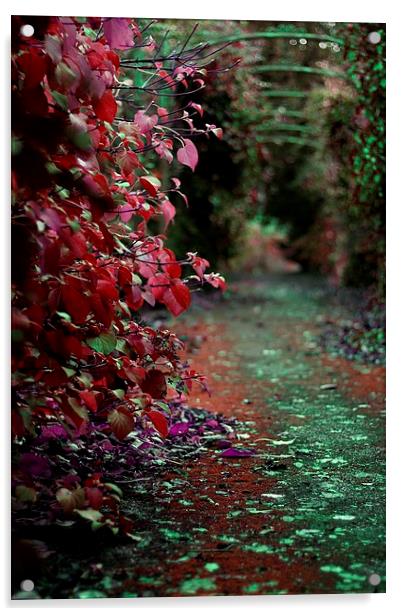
x=178 y=431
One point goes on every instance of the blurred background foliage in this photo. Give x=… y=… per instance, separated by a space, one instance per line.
x=298 y=180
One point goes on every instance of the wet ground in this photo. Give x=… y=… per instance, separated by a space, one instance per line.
x=306 y=512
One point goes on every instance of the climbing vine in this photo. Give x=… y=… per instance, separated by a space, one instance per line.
x=365 y=53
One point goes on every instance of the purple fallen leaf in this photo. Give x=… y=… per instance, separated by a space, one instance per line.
x=212 y=423
x=179 y=428
x=36 y=466
x=224 y=443
x=53 y=431
x=232 y=452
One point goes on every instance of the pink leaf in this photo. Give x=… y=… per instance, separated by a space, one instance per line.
x=168 y=211
x=218 y=132
x=118 y=33
x=188 y=155
x=126 y=212
x=198 y=108
x=163 y=149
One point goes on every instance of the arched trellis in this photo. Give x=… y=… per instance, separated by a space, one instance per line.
x=296 y=68
x=277 y=34
x=279 y=111
x=286 y=68
x=283 y=140
x=284 y=126
x=284 y=93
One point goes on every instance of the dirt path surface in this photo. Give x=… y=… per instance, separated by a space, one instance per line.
x=306 y=513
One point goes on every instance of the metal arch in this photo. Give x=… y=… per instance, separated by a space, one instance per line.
x=284 y=126
x=277 y=111
x=285 y=93
x=278 y=34
x=290 y=113
x=294 y=68
x=283 y=140
x=272 y=126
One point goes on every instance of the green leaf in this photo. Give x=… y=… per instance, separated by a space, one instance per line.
x=91 y=594
x=121 y=345
x=16 y=146
x=90 y=514
x=26 y=494
x=105 y=343
x=119 y=393
x=64 y=315
x=80 y=139
x=114 y=489
x=60 y=99
x=74 y=225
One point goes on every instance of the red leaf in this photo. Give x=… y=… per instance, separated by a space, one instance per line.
x=134 y=373
x=128 y=161
x=188 y=154
x=199 y=264
x=154 y=384
x=103 y=309
x=121 y=421
x=178 y=298
x=75 y=303
x=106 y=107
x=216 y=280
x=151 y=184
x=169 y=263
x=89 y=399
x=64 y=345
x=160 y=422
x=17 y=424
x=33 y=65
x=158 y=285
x=75 y=412
x=107 y=289
x=94 y=496
x=124 y=276
x=134 y=297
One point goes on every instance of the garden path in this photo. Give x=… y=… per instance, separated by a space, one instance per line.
x=305 y=514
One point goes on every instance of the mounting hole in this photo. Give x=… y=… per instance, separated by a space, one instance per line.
x=27 y=585
x=374 y=579
x=27 y=30
x=374 y=38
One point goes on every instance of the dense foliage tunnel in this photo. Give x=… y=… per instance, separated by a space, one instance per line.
x=175 y=430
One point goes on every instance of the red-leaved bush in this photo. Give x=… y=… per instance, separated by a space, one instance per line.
x=84 y=260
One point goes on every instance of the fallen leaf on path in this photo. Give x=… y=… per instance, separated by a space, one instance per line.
x=232 y=452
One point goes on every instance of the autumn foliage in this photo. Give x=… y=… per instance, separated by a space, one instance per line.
x=86 y=368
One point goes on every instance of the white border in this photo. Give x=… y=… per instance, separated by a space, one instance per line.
x=284 y=10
